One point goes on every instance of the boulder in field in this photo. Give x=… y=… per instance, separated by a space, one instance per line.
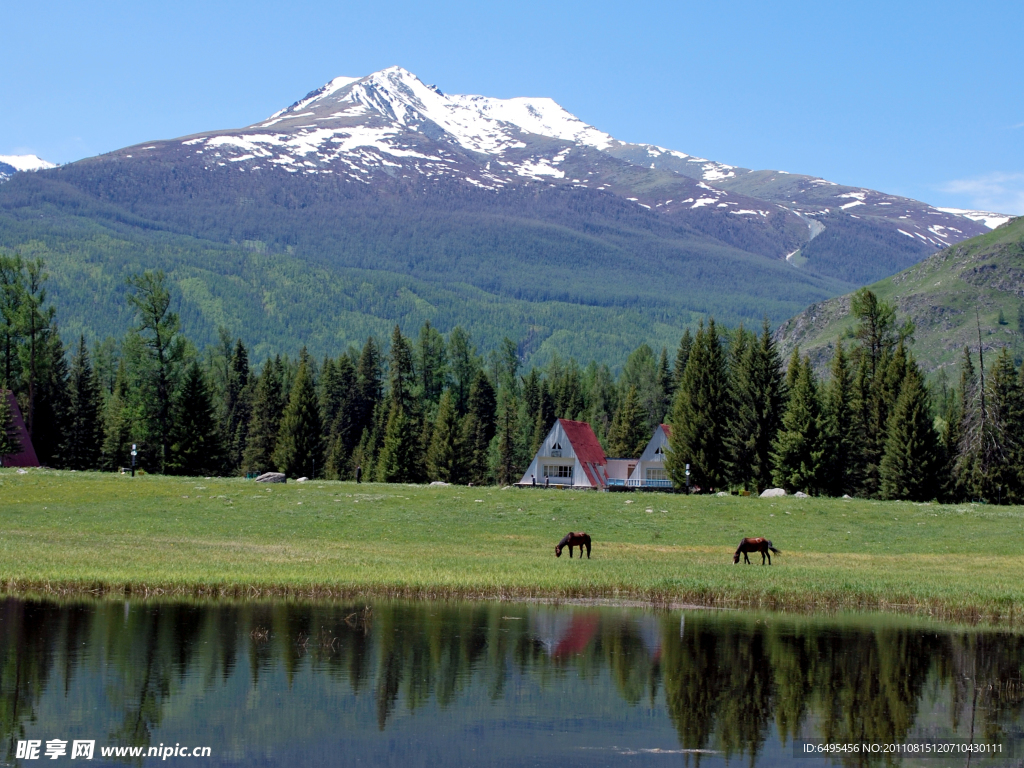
x=772 y=493
x=800 y=495
x=272 y=477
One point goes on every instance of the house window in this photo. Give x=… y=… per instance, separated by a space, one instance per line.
x=558 y=470
x=660 y=452
x=657 y=474
x=556 y=450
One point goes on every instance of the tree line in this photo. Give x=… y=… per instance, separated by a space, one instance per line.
x=431 y=407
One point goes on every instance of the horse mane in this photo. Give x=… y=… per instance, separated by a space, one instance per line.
x=564 y=541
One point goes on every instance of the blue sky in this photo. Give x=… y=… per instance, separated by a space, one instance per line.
x=924 y=99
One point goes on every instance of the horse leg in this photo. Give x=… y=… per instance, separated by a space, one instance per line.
x=745 y=558
x=769 y=554
x=588 y=551
x=570 y=551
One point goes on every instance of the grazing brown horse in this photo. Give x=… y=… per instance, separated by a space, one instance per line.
x=571 y=540
x=764 y=546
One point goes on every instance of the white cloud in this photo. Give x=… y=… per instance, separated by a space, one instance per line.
x=1000 y=192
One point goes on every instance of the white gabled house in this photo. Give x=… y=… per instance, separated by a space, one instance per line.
x=570 y=456
x=650 y=469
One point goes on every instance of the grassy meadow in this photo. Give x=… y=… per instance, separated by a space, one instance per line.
x=66 y=533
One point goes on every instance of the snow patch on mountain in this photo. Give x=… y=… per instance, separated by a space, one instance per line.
x=989 y=219
x=26 y=162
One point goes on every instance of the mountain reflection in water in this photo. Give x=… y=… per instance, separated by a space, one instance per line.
x=497 y=683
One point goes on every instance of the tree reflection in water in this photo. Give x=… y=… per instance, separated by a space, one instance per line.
x=726 y=682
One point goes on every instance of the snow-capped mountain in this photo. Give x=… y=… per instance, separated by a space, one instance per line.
x=11 y=164
x=381 y=200
x=392 y=124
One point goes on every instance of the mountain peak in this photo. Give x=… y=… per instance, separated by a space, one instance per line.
x=26 y=162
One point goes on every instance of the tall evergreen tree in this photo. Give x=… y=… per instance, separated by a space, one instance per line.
x=369 y=389
x=840 y=427
x=52 y=401
x=629 y=435
x=160 y=330
x=10 y=445
x=12 y=289
x=238 y=396
x=83 y=433
x=699 y=415
x=1005 y=471
x=401 y=450
x=117 y=423
x=682 y=357
x=464 y=364
x=758 y=398
x=195 y=445
x=910 y=464
x=641 y=372
x=478 y=428
x=299 y=450
x=507 y=469
x=431 y=363
x=265 y=422
x=445 y=456
x=799 y=453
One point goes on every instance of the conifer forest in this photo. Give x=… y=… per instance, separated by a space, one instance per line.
x=425 y=406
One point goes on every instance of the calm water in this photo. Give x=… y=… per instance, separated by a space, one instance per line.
x=445 y=684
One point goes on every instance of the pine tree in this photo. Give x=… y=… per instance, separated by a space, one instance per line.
x=299 y=450
x=445 y=456
x=238 y=397
x=840 y=427
x=758 y=397
x=265 y=422
x=396 y=463
x=160 y=331
x=464 y=364
x=52 y=400
x=682 y=357
x=507 y=469
x=478 y=428
x=1003 y=476
x=117 y=423
x=83 y=433
x=699 y=415
x=431 y=363
x=909 y=467
x=195 y=445
x=9 y=443
x=629 y=435
x=799 y=452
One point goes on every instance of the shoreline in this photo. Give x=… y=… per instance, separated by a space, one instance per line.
x=973 y=615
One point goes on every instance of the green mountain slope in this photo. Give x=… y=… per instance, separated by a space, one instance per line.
x=577 y=272
x=947 y=295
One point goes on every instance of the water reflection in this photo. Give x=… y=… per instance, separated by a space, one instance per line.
x=426 y=683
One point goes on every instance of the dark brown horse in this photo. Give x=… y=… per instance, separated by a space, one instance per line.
x=764 y=546
x=571 y=540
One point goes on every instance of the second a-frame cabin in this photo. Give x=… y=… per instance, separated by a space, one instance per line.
x=570 y=457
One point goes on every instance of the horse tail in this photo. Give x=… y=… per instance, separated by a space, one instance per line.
x=773 y=549
x=586 y=540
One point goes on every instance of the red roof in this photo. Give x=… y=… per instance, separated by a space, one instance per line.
x=584 y=442
x=667 y=429
x=588 y=450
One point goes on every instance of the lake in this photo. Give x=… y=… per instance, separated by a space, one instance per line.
x=495 y=684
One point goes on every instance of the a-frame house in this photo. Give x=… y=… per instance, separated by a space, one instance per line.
x=569 y=457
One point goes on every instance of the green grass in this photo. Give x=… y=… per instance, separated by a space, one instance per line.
x=67 y=533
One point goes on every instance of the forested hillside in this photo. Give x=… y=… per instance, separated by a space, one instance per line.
x=974 y=287
x=568 y=272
